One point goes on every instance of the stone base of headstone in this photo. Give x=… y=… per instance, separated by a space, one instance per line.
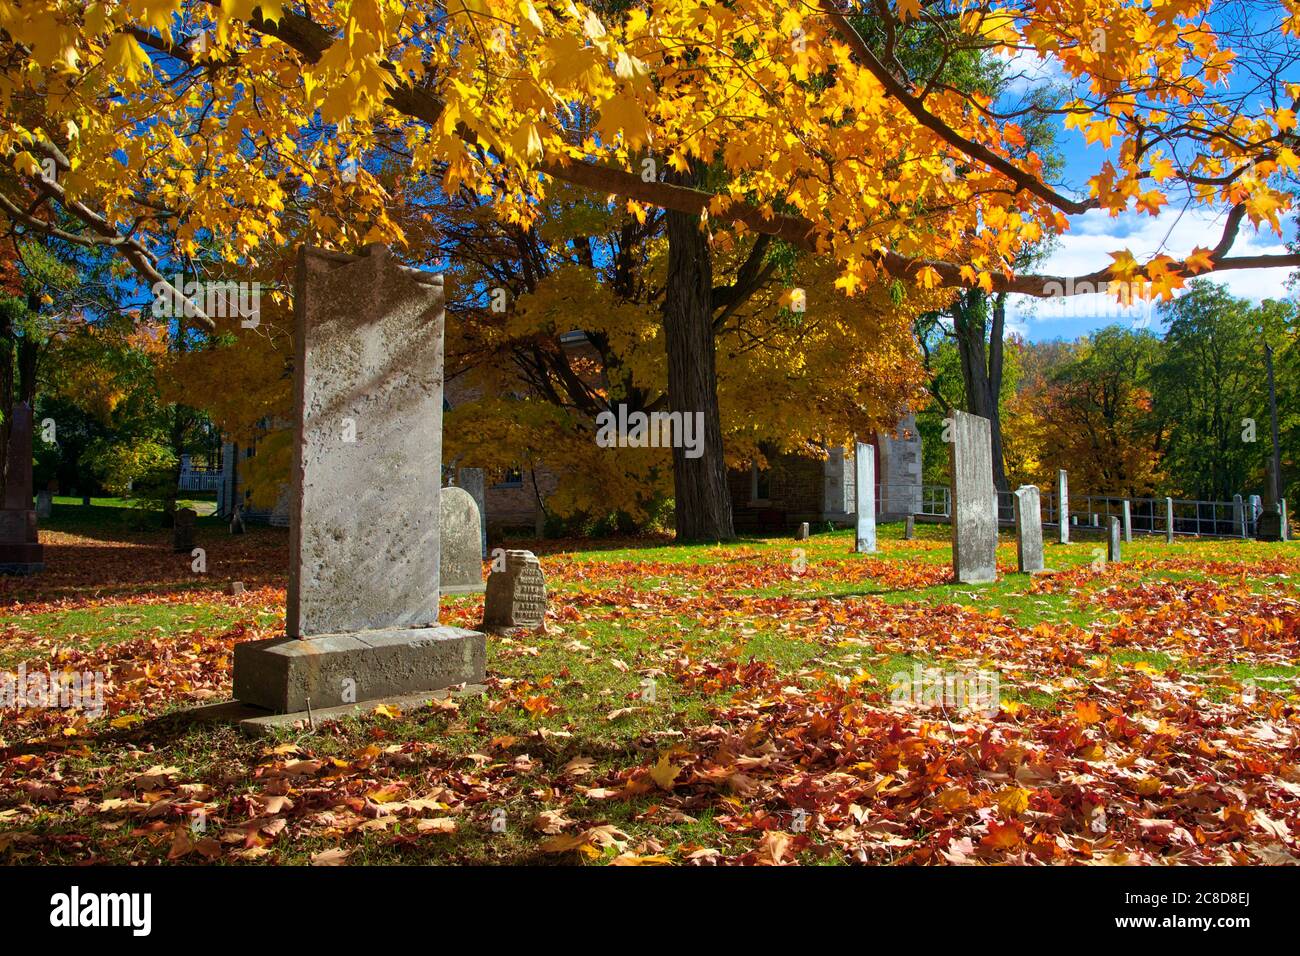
x=20 y=550
x=255 y=722
x=286 y=674
x=1269 y=526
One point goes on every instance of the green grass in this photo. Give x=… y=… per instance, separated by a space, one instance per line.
x=593 y=673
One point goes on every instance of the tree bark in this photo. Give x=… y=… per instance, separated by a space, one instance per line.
x=981 y=367
x=702 y=505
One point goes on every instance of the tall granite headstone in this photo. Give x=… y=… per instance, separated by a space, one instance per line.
x=1114 y=535
x=1029 y=529
x=974 y=500
x=461 y=565
x=362 y=615
x=516 y=595
x=1126 y=511
x=20 y=549
x=1169 y=521
x=1062 y=506
x=864 y=490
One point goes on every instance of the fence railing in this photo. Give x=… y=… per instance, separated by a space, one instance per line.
x=1238 y=518
x=200 y=480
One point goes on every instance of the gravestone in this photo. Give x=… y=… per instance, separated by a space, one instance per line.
x=364 y=547
x=20 y=549
x=1126 y=511
x=974 y=501
x=1283 y=527
x=237 y=520
x=909 y=528
x=1238 y=515
x=1029 y=529
x=1063 y=506
x=473 y=481
x=864 y=491
x=44 y=504
x=236 y=588
x=460 y=531
x=1114 y=535
x=1271 y=524
x=183 y=530
x=1169 y=521
x=516 y=595
x=802 y=533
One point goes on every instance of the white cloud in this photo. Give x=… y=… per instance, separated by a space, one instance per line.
x=1094 y=234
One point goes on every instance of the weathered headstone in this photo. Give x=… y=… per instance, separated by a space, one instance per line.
x=1283 y=527
x=473 y=481
x=974 y=501
x=1169 y=521
x=1126 y=511
x=362 y=614
x=1271 y=524
x=1113 y=538
x=516 y=595
x=183 y=530
x=864 y=492
x=237 y=520
x=236 y=588
x=802 y=533
x=460 y=531
x=1238 y=516
x=909 y=528
x=44 y=504
x=1063 y=506
x=1029 y=529
x=20 y=549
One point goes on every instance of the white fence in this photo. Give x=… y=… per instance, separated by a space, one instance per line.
x=1237 y=518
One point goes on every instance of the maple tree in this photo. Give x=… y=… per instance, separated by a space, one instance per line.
x=791 y=377
x=224 y=113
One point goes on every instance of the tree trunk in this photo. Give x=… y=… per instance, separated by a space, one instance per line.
x=981 y=367
x=702 y=506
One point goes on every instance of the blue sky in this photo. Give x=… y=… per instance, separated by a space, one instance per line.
x=1175 y=231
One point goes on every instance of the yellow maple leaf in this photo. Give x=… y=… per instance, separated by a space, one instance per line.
x=1014 y=801
x=909 y=9
x=664 y=774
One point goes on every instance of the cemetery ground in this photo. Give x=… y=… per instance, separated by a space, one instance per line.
x=684 y=705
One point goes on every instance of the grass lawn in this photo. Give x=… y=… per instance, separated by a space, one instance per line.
x=754 y=702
